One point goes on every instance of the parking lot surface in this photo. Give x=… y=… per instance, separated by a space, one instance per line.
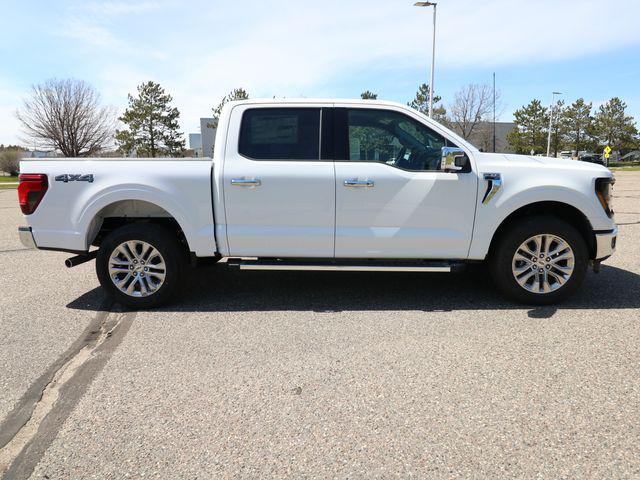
x=263 y=374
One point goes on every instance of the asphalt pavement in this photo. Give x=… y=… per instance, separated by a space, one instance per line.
x=316 y=375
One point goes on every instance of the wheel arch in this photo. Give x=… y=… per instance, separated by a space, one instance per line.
x=560 y=210
x=110 y=215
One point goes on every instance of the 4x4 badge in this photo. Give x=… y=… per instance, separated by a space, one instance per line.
x=74 y=178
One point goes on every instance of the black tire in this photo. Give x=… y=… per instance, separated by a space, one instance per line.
x=502 y=255
x=172 y=253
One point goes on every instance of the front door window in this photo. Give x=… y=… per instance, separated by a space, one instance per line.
x=392 y=138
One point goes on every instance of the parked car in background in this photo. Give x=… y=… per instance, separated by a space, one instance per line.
x=592 y=158
x=631 y=157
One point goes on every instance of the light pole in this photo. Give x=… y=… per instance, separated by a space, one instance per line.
x=494 y=112
x=433 y=51
x=553 y=104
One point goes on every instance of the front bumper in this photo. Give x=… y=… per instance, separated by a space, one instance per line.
x=606 y=244
x=26 y=237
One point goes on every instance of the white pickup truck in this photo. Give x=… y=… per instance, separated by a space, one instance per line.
x=324 y=185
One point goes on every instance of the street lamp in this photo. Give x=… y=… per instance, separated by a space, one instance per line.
x=553 y=104
x=433 y=51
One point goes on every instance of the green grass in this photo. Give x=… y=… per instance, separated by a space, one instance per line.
x=4 y=180
x=635 y=168
x=624 y=164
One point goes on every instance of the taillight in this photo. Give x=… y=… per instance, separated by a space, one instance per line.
x=603 y=192
x=32 y=188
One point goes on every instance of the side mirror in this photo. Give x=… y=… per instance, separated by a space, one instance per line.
x=454 y=160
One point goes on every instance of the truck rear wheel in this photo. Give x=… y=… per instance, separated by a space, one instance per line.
x=141 y=265
x=540 y=261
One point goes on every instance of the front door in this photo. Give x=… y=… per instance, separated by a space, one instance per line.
x=392 y=201
x=279 y=194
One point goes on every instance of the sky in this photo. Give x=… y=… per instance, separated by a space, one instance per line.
x=200 y=50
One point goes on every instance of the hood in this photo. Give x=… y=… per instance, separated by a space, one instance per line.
x=543 y=162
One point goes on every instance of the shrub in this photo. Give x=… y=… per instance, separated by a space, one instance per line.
x=10 y=161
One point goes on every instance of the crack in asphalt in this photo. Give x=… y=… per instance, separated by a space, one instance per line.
x=28 y=401
x=16 y=250
x=32 y=425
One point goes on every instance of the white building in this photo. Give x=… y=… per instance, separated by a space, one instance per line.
x=208 y=127
x=195 y=143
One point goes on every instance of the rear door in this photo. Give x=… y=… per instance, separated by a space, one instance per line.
x=279 y=193
x=392 y=200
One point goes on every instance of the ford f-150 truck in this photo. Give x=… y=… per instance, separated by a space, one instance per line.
x=324 y=185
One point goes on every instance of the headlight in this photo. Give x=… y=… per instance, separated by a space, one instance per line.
x=603 y=192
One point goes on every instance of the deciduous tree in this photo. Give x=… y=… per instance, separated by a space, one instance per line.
x=472 y=106
x=368 y=95
x=10 y=159
x=66 y=115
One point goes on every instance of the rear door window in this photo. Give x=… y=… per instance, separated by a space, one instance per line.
x=280 y=134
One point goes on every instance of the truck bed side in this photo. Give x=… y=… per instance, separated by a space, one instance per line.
x=72 y=211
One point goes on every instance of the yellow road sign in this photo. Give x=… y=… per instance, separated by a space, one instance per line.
x=607 y=151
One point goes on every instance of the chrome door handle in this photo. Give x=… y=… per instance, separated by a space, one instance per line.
x=358 y=183
x=244 y=182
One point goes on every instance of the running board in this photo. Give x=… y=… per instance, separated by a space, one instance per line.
x=441 y=267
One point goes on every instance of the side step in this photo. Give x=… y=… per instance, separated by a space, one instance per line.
x=345 y=266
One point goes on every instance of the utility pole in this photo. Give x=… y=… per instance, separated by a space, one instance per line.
x=553 y=104
x=433 y=52
x=494 y=112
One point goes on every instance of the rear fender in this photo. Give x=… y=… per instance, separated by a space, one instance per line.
x=199 y=241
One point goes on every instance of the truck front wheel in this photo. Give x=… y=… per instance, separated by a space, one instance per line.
x=540 y=261
x=141 y=265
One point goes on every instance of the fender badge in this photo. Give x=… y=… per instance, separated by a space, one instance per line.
x=74 y=178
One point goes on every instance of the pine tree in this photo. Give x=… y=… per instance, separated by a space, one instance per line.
x=579 y=123
x=235 y=94
x=421 y=103
x=614 y=128
x=530 y=132
x=368 y=95
x=152 y=123
x=559 y=128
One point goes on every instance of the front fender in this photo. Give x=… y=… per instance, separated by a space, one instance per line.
x=490 y=216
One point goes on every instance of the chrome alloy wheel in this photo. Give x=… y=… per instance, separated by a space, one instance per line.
x=543 y=263
x=136 y=268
